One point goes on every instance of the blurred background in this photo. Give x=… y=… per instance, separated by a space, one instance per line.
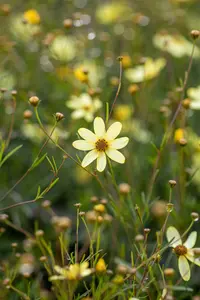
x=59 y=50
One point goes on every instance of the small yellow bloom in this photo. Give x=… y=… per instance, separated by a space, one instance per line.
x=32 y=16
x=81 y=74
x=101 y=266
x=100 y=208
x=73 y=272
x=126 y=61
x=84 y=106
x=178 y=135
x=184 y=251
x=147 y=71
x=122 y=112
x=102 y=143
x=118 y=279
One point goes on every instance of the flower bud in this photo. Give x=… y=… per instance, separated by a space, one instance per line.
x=172 y=183
x=124 y=188
x=195 y=216
x=183 y=142
x=100 y=208
x=101 y=266
x=39 y=233
x=34 y=101
x=186 y=103
x=59 y=116
x=27 y=114
x=43 y=258
x=46 y=204
x=133 y=88
x=68 y=23
x=139 y=238
x=195 y=34
x=3 y=217
x=168 y=272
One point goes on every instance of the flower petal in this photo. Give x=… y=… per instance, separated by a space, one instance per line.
x=191 y=240
x=89 y=158
x=193 y=259
x=99 y=126
x=101 y=162
x=184 y=268
x=113 y=131
x=87 y=135
x=57 y=277
x=173 y=236
x=115 y=155
x=119 y=143
x=77 y=114
x=83 y=145
x=60 y=270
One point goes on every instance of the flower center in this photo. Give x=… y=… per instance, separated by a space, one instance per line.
x=86 y=107
x=101 y=145
x=180 y=250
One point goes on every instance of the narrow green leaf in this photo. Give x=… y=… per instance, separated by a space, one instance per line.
x=3 y=144
x=10 y=154
x=38 y=161
x=51 y=164
x=54 y=163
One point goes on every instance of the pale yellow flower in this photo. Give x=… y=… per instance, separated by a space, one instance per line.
x=73 y=272
x=32 y=16
x=23 y=32
x=89 y=71
x=102 y=143
x=147 y=71
x=178 y=135
x=101 y=266
x=194 y=95
x=63 y=48
x=184 y=251
x=175 y=44
x=84 y=106
x=111 y=12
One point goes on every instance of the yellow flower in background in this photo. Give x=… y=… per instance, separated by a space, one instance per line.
x=111 y=12
x=73 y=272
x=63 y=48
x=32 y=16
x=101 y=143
x=147 y=71
x=184 y=251
x=175 y=44
x=194 y=95
x=126 y=61
x=122 y=112
x=101 y=266
x=81 y=74
x=84 y=106
x=89 y=71
x=178 y=135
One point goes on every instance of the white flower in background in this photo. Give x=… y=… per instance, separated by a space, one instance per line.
x=101 y=143
x=184 y=251
x=23 y=31
x=150 y=69
x=194 y=95
x=175 y=44
x=7 y=80
x=84 y=107
x=63 y=48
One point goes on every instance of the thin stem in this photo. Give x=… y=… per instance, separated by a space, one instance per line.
x=11 y=124
x=119 y=86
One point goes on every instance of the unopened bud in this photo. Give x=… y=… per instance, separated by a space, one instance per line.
x=124 y=188
x=43 y=258
x=172 y=183
x=195 y=216
x=94 y=199
x=59 y=116
x=139 y=238
x=14 y=245
x=168 y=272
x=186 y=103
x=195 y=34
x=6 y=281
x=39 y=233
x=68 y=23
x=82 y=214
x=27 y=114
x=183 y=142
x=3 y=217
x=46 y=203
x=34 y=101
x=100 y=208
x=77 y=205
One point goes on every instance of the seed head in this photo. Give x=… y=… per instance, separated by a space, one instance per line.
x=124 y=188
